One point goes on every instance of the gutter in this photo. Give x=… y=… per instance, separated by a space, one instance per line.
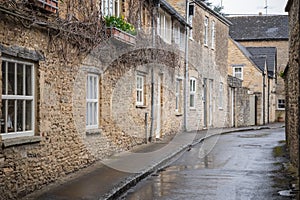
x=164 y=4
x=211 y=11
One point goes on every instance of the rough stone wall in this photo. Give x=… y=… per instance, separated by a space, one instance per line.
x=179 y=5
x=66 y=145
x=242 y=107
x=292 y=83
x=120 y=112
x=239 y=98
x=210 y=63
x=28 y=167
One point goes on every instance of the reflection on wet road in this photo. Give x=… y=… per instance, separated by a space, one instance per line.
x=240 y=166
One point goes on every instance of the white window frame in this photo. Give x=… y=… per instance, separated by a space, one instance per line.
x=176 y=34
x=221 y=94
x=178 y=88
x=279 y=102
x=17 y=97
x=213 y=34
x=193 y=86
x=92 y=101
x=140 y=92
x=110 y=7
x=179 y=37
x=235 y=74
x=206 y=31
x=164 y=26
x=191 y=24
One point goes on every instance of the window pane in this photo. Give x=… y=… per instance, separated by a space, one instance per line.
x=192 y=101
x=20 y=115
x=87 y=114
x=3 y=118
x=95 y=88
x=11 y=116
x=28 y=119
x=20 y=76
x=28 y=82
x=194 y=85
x=11 y=78
x=3 y=78
x=138 y=96
x=89 y=87
x=90 y=114
x=95 y=114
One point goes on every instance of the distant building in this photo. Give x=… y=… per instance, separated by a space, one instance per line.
x=208 y=53
x=255 y=67
x=266 y=31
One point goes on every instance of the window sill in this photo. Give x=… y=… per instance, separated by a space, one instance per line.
x=178 y=114
x=205 y=45
x=280 y=109
x=20 y=141
x=93 y=132
x=220 y=108
x=141 y=106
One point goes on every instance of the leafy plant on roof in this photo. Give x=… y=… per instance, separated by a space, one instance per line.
x=217 y=9
x=120 y=23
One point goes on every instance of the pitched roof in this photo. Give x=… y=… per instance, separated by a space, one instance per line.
x=268 y=27
x=261 y=55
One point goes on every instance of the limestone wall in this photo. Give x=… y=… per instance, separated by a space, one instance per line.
x=292 y=83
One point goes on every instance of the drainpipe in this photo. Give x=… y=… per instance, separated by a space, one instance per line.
x=263 y=99
x=186 y=71
x=268 y=100
x=156 y=6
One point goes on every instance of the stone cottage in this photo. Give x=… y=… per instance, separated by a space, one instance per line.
x=266 y=31
x=75 y=90
x=207 y=70
x=292 y=77
x=256 y=67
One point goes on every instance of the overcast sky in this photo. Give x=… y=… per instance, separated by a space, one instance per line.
x=251 y=6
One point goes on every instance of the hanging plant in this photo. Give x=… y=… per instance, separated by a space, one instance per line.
x=120 y=23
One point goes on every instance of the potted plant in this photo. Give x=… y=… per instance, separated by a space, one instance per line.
x=119 y=28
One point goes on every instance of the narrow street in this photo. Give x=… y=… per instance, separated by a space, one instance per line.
x=240 y=165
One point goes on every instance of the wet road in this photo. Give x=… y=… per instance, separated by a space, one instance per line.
x=233 y=166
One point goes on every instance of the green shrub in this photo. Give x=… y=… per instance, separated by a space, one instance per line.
x=120 y=23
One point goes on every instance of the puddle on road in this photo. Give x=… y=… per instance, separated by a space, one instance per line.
x=250 y=146
x=287 y=193
x=254 y=135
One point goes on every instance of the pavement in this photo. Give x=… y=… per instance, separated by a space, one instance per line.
x=109 y=178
